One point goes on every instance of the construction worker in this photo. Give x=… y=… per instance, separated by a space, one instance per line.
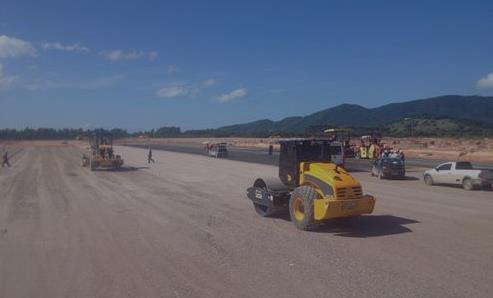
x=149 y=156
x=5 y=159
x=402 y=156
x=386 y=153
x=85 y=160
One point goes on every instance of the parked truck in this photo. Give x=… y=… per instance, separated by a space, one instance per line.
x=459 y=173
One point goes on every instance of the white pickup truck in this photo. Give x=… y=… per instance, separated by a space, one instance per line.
x=460 y=173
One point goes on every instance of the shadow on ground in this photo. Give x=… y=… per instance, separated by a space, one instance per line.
x=405 y=178
x=367 y=226
x=122 y=169
x=361 y=226
x=459 y=186
x=128 y=169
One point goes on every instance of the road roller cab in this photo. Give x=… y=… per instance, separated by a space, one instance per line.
x=310 y=186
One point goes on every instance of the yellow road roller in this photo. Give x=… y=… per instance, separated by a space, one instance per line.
x=310 y=186
x=102 y=154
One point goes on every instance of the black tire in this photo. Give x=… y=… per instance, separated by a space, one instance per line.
x=306 y=196
x=428 y=180
x=262 y=210
x=467 y=184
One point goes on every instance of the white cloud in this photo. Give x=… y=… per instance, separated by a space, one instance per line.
x=117 y=55
x=152 y=55
x=14 y=47
x=5 y=80
x=44 y=85
x=238 y=93
x=180 y=89
x=96 y=83
x=69 y=48
x=87 y=125
x=100 y=82
x=172 y=69
x=486 y=82
x=175 y=90
x=209 y=83
x=121 y=55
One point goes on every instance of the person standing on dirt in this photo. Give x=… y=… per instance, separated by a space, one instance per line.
x=149 y=156
x=5 y=159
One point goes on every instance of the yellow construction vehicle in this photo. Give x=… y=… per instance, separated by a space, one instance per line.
x=370 y=146
x=310 y=186
x=102 y=155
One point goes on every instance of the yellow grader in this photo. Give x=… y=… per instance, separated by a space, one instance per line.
x=310 y=186
x=102 y=155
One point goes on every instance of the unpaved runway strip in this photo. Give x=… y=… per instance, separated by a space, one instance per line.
x=183 y=228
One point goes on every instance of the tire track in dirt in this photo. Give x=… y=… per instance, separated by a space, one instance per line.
x=24 y=203
x=119 y=199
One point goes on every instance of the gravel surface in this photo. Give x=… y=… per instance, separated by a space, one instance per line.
x=182 y=227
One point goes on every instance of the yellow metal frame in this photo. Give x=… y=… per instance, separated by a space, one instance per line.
x=298 y=208
x=340 y=194
x=329 y=208
x=105 y=162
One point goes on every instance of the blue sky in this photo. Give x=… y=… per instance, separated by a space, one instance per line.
x=202 y=64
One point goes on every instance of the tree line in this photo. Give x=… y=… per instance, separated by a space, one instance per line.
x=57 y=134
x=424 y=127
x=79 y=133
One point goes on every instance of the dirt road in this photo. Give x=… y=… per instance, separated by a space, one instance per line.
x=183 y=228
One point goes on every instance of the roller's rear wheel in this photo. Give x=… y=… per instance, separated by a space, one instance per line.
x=301 y=208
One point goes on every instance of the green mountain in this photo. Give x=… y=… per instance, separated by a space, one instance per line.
x=437 y=127
x=478 y=109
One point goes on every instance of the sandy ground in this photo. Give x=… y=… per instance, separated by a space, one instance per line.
x=183 y=228
x=476 y=150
